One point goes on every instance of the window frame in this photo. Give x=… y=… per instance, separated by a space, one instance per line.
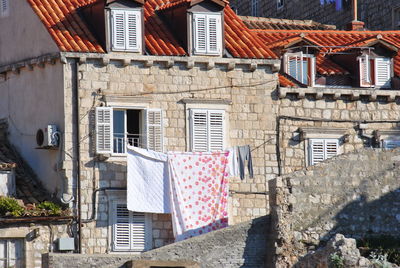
x=254 y=5
x=7 y=258
x=119 y=198
x=206 y=51
x=280 y=4
x=309 y=149
x=311 y=66
x=369 y=71
x=139 y=30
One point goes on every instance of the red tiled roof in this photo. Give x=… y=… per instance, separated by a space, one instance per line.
x=285 y=82
x=331 y=40
x=71 y=33
x=283 y=24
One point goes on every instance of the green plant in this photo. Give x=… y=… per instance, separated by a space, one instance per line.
x=10 y=207
x=379 y=260
x=50 y=207
x=381 y=245
x=336 y=261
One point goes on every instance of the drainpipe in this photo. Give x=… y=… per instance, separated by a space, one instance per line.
x=75 y=84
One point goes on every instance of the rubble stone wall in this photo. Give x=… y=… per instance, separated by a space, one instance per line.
x=355 y=194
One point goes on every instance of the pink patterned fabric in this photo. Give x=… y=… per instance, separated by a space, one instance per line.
x=199 y=192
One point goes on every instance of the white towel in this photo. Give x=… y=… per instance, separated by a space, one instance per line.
x=148 y=183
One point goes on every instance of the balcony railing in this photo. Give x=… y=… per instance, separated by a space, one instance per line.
x=121 y=140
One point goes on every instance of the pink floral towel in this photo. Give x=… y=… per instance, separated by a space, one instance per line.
x=199 y=192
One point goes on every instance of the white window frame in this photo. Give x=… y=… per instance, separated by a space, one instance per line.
x=4 y=8
x=207 y=49
x=311 y=70
x=366 y=79
x=208 y=142
x=146 y=126
x=8 y=258
x=120 y=199
x=254 y=8
x=126 y=45
x=325 y=154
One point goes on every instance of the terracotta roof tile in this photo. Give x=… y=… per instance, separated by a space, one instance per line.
x=285 y=81
x=283 y=24
x=71 y=33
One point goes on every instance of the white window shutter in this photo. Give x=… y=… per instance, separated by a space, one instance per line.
x=134 y=30
x=316 y=151
x=199 y=133
x=216 y=130
x=331 y=148
x=382 y=72
x=129 y=229
x=214 y=34
x=200 y=33
x=119 y=23
x=104 y=130
x=365 y=72
x=154 y=130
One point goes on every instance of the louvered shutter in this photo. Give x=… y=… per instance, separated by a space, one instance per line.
x=365 y=72
x=391 y=144
x=104 y=130
x=316 y=151
x=199 y=133
x=134 y=30
x=154 y=130
x=293 y=67
x=4 y=8
x=216 y=130
x=129 y=229
x=382 y=72
x=118 y=29
x=200 y=33
x=214 y=44
x=331 y=148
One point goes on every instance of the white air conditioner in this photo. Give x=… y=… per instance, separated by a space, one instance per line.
x=47 y=137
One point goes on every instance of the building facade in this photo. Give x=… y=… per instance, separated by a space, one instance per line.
x=377 y=15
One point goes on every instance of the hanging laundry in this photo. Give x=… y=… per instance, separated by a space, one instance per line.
x=148 y=182
x=233 y=162
x=199 y=192
x=245 y=155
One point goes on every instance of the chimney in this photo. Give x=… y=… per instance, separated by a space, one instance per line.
x=355 y=24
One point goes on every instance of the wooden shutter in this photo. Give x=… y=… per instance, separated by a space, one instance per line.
x=216 y=130
x=154 y=130
x=365 y=71
x=104 y=130
x=134 y=30
x=382 y=72
x=322 y=149
x=200 y=33
x=129 y=229
x=118 y=29
x=214 y=44
x=199 y=133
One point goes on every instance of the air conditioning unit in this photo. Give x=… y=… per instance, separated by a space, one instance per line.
x=47 y=137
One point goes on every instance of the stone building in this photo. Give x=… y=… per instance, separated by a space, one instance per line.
x=377 y=14
x=297 y=97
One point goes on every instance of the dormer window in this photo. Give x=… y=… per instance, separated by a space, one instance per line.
x=126 y=30
x=301 y=67
x=207 y=34
x=375 y=72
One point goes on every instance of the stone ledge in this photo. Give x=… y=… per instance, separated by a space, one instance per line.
x=207 y=101
x=337 y=93
x=161 y=264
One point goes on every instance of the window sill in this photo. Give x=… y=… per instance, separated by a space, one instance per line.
x=337 y=93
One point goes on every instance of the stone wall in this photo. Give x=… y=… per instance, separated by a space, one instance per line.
x=243 y=245
x=35 y=245
x=377 y=15
x=244 y=90
x=355 y=194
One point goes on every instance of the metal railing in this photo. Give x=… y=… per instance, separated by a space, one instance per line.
x=120 y=141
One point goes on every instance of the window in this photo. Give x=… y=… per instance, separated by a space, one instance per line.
x=301 y=67
x=390 y=144
x=126 y=30
x=116 y=128
x=375 y=71
x=131 y=231
x=254 y=8
x=280 y=4
x=12 y=253
x=207 y=34
x=4 y=8
x=322 y=149
x=207 y=130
